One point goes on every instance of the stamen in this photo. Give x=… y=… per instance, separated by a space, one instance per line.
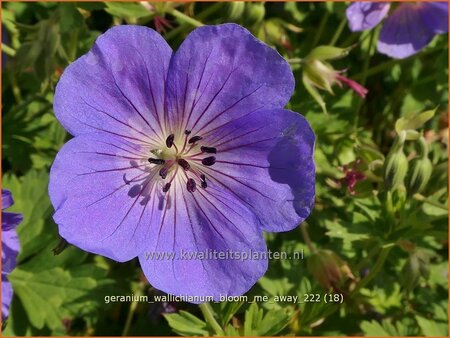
x=187 y=132
x=191 y=185
x=194 y=139
x=166 y=187
x=169 y=140
x=208 y=161
x=209 y=150
x=184 y=164
x=203 y=181
x=156 y=160
x=163 y=172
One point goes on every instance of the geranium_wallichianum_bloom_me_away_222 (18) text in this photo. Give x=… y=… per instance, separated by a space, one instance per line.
x=185 y=151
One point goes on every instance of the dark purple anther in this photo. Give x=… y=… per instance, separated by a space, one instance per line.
x=187 y=132
x=166 y=187
x=169 y=140
x=209 y=150
x=194 y=139
x=191 y=186
x=156 y=160
x=184 y=164
x=163 y=172
x=203 y=181
x=208 y=161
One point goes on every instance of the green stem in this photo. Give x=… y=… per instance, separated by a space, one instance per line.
x=15 y=86
x=185 y=18
x=321 y=28
x=307 y=238
x=389 y=64
x=8 y=50
x=338 y=32
x=209 y=317
x=368 y=258
x=376 y=69
x=376 y=268
x=423 y=199
x=210 y=10
x=139 y=292
x=363 y=282
x=202 y=15
x=364 y=78
x=295 y=61
x=73 y=42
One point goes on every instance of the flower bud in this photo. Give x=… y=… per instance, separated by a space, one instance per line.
x=421 y=170
x=327 y=53
x=319 y=74
x=416 y=266
x=328 y=269
x=395 y=170
x=254 y=13
x=234 y=10
x=420 y=175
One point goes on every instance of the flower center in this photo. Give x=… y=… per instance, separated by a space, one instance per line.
x=188 y=160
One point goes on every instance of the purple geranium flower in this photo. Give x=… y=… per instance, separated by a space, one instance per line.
x=10 y=249
x=406 y=31
x=188 y=153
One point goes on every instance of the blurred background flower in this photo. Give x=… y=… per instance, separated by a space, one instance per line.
x=10 y=249
x=407 y=30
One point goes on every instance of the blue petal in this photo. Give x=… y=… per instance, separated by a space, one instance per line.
x=265 y=160
x=10 y=249
x=206 y=221
x=404 y=33
x=222 y=72
x=7 y=199
x=366 y=15
x=7 y=294
x=93 y=184
x=118 y=86
x=435 y=16
x=10 y=220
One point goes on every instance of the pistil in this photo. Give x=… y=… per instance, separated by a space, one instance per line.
x=182 y=159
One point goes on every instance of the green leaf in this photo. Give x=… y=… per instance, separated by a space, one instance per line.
x=432 y=328
x=227 y=311
x=71 y=18
x=34 y=135
x=186 y=324
x=128 y=10
x=258 y=324
x=373 y=328
x=414 y=122
x=405 y=327
x=52 y=288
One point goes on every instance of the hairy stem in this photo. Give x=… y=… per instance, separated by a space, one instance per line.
x=209 y=317
x=376 y=268
x=185 y=18
x=8 y=50
x=338 y=32
x=364 y=77
x=139 y=292
x=306 y=237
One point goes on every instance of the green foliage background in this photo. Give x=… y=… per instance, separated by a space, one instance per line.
x=393 y=245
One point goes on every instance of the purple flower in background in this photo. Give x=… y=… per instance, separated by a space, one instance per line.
x=407 y=30
x=188 y=153
x=10 y=249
